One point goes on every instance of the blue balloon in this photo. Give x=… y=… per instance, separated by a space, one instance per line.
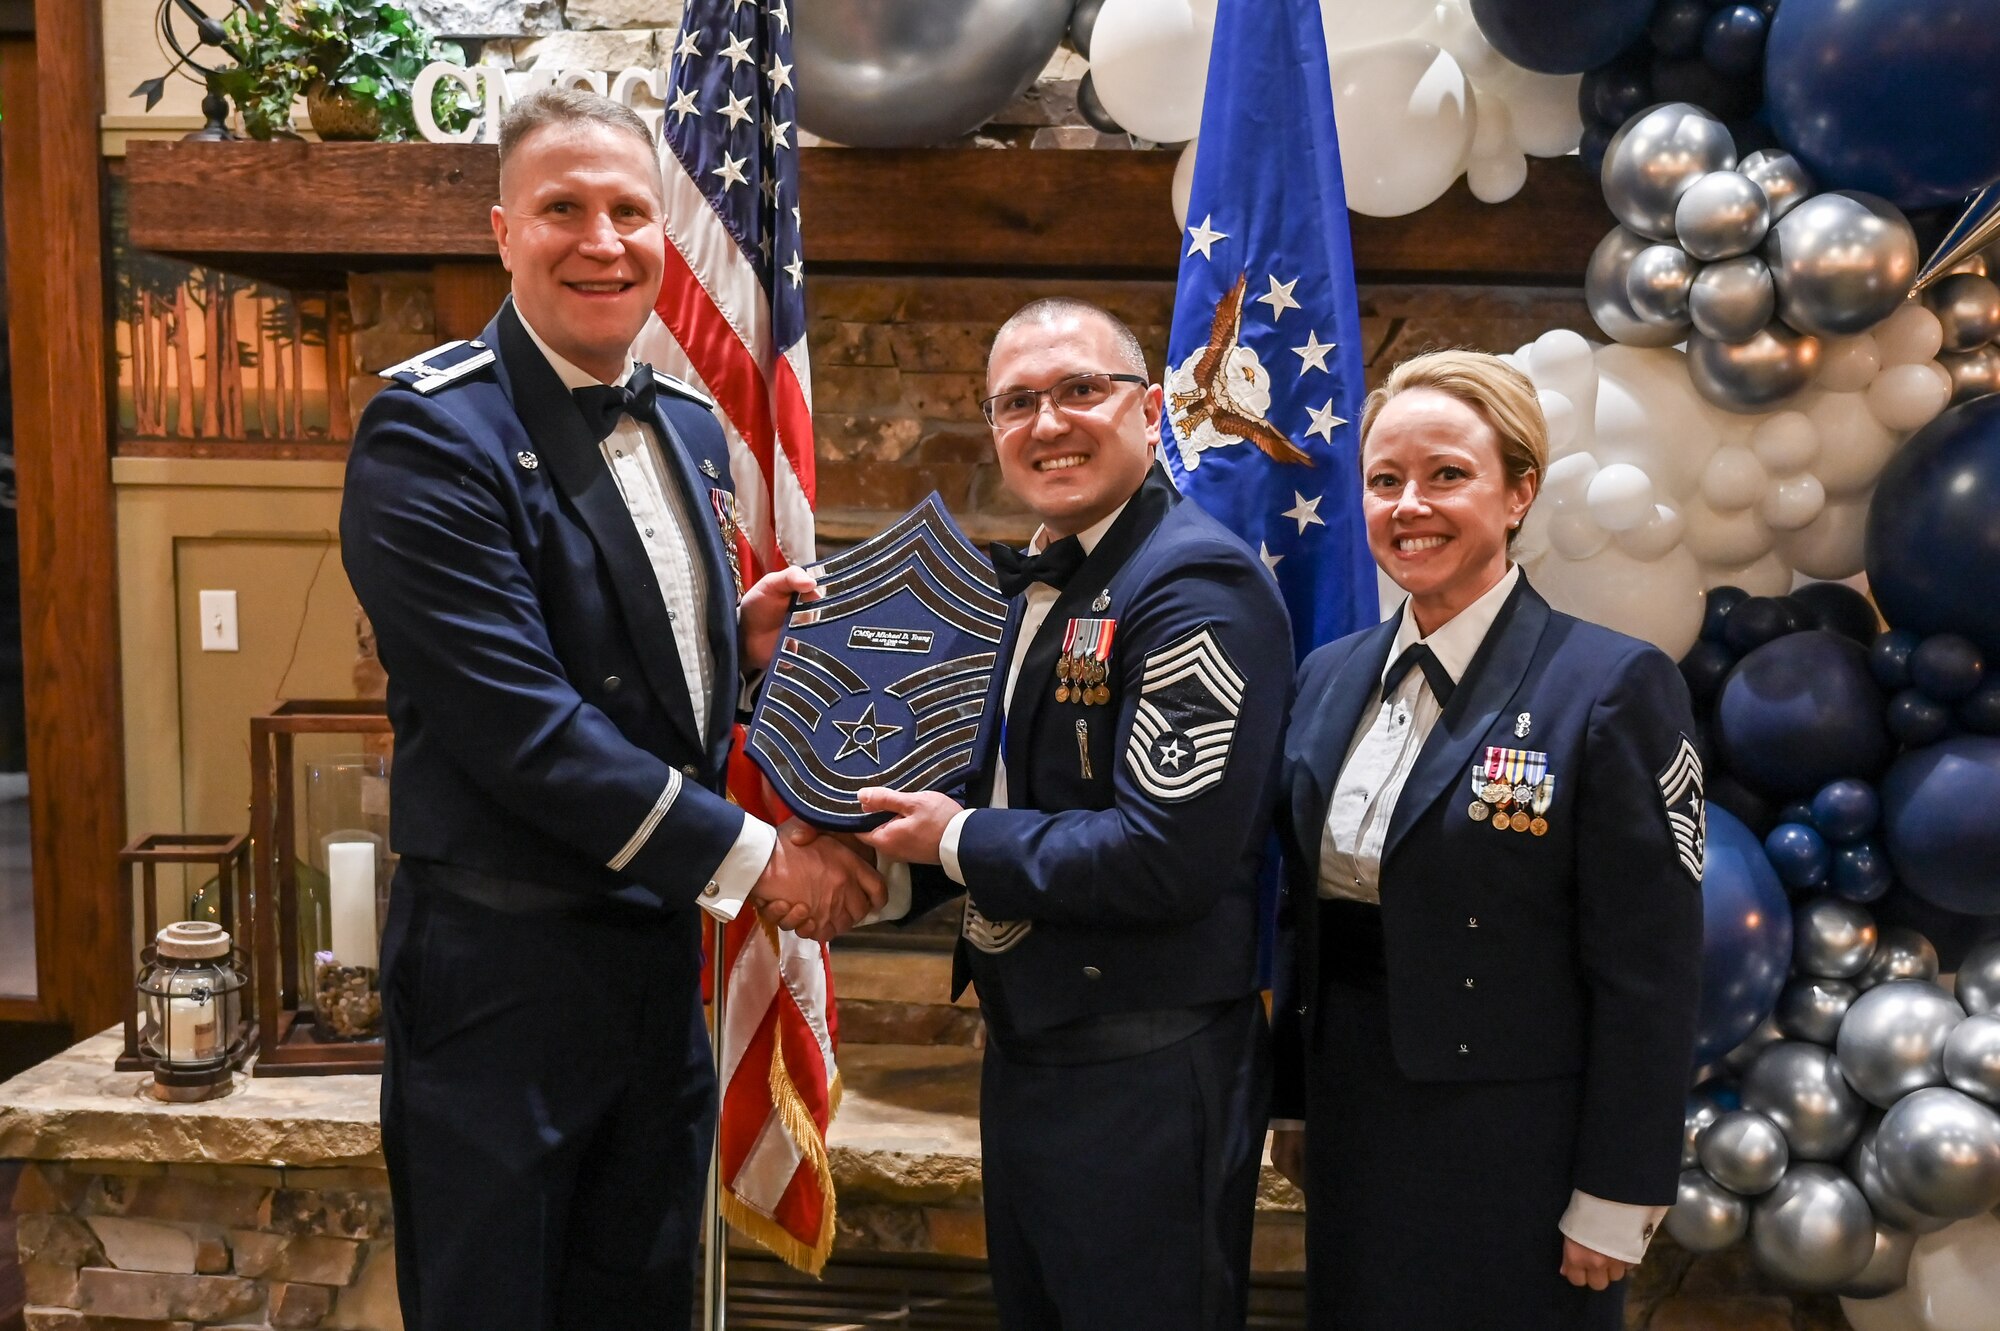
x=1798 y=811
x=1947 y=667
x=1799 y=854
x=1837 y=606
x=1800 y=712
x=1890 y=96
x=1756 y=812
x=1933 y=546
x=1981 y=712
x=1889 y=658
x=1715 y=611
x=1938 y=815
x=1561 y=36
x=1733 y=42
x=1759 y=620
x=1861 y=872
x=1952 y=934
x=1746 y=944
x=1845 y=811
x=1704 y=668
x=1916 y=719
x=1675 y=28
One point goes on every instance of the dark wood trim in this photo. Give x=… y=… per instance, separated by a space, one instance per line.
x=261 y=450
x=69 y=615
x=303 y=213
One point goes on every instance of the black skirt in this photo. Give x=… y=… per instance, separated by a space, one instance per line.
x=1430 y=1206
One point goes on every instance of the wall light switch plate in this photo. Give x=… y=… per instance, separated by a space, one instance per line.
x=218 y=621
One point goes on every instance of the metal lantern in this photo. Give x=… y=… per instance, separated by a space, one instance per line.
x=220 y=862
x=191 y=1033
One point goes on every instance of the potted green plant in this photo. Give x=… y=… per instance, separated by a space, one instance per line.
x=353 y=60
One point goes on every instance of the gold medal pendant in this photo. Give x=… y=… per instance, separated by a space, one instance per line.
x=1540 y=827
x=1062 y=693
x=1521 y=822
x=1503 y=820
x=1478 y=811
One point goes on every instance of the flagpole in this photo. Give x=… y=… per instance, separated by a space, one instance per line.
x=715 y=1230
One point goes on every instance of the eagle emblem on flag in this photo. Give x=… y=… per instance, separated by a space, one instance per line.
x=1219 y=396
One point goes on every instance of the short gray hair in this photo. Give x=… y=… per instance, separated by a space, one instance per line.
x=1052 y=309
x=564 y=107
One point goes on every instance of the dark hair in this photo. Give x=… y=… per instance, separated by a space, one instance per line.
x=1049 y=309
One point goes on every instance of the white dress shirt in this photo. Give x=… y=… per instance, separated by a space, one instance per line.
x=1382 y=753
x=667 y=532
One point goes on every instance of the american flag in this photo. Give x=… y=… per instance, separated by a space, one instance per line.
x=732 y=320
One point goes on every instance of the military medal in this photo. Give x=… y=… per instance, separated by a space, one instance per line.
x=1510 y=780
x=1545 y=793
x=1478 y=811
x=1083 y=668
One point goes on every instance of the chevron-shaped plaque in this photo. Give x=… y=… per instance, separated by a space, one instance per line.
x=890 y=678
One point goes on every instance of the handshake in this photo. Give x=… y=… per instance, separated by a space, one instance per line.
x=817 y=884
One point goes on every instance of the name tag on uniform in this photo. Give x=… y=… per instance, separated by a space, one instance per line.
x=1514 y=789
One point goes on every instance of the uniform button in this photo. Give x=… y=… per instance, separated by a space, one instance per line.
x=672 y=615
x=611 y=683
x=689 y=769
x=1468 y=982
x=618 y=453
x=1092 y=973
x=649 y=531
x=710 y=890
x=1472 y=921
x=1647 y=1232
x=1464 y=1049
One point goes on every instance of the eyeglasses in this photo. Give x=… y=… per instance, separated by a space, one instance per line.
x=1073 y=395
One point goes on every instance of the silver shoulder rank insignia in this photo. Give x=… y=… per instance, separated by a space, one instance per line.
x=1189 y=698
x=1521 y=724
x=1687 y=811
x=709 y=469
x=1102 y=603
x=527 y=460
x=682 y=388
x=433 y=369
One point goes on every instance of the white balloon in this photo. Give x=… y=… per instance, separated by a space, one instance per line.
x=1792 y=502
x=1349 y=24
x=1733 y=479
x=1497 y=179
x=1574 y=536
x=1620 y=497
x=1769 y=576
x=1658 y=534
x=1561 y=361
x=1911 y=334
x=1853 y=445
x=1846 y=364
x=1830 y=547
x=1566 y=483
x=1149 y=64
x=1891 y=1312
x=1905 y=397
x=1542 y=107
x=1785 y=442
x=1649 y=414
x=1531 y=542
x=1405 y=112
x=1954 y=1282
x=1494 y=132
x=1183 y=186
x=1943 y=375
x=1728 y=540
x=1453 y=28
x=1658 y=600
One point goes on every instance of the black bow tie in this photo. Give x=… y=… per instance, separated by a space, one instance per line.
x=1418 y=656
x=1054 y=566
x=603 y=404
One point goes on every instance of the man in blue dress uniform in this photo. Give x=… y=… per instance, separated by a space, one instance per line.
x=1110 y=857
x=539 y=532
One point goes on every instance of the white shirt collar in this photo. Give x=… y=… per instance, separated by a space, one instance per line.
x=572 y=377
x=1457 y=640
x=1087 y=538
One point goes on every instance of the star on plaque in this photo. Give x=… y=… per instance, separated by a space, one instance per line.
x=864 y=735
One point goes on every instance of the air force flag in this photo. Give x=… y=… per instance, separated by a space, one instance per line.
x=1264 y=373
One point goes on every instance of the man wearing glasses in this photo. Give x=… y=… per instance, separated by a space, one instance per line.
x=1109 y=857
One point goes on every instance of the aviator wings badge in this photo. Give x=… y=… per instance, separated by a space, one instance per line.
x=890 y=678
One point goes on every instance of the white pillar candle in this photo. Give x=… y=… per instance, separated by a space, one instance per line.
x=191 y=1028
x=350 y=874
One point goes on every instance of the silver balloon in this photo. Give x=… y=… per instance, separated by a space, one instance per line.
x=1811 y=1008
x=1889 y=1207
x=1706 y=1217
x=1655 y=156
x=1733 y=299
x=1968 y=306
x=1940 y=1150
x=1973 y=373
x=1888 y=1270
x=1784 y=182
x=1656 y=285
x=1722 y=215
x=1978 y=983
x=1972 y=1057
x=1703 y=1108
x=1604 y=293
x=1761 y=1037
x=1745 y=1152
x=1901 y=953
x=906 y=73
x=1843 y=262
x=1813 y=1231
x=1752 y=376
x=1798 y=1086
x=1091 y=108
x=1831 y=938
x=1082 y=21
x=1892 y=1040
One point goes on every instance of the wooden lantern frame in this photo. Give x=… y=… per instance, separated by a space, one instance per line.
x=287 y=1046
x=230 y=854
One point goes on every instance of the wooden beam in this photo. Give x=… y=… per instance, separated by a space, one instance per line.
x=312 y=210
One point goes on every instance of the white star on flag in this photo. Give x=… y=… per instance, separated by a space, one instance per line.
x=1324 y=421
x=687 y=44
x=731 y=171
x=780 y=75
x=737 y=111
x=1312 y=356
x=683 y=105
x=778 y=132
x=784 y=19
x=1305 y=512
x=1204 y=237
x=1271 y=561
x=1279 y=298
x=796 y=270
x=737 y=52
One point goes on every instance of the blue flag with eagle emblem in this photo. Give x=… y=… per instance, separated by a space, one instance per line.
x=1264 y=373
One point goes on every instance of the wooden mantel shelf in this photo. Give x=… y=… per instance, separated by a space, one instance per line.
x=303 y=211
